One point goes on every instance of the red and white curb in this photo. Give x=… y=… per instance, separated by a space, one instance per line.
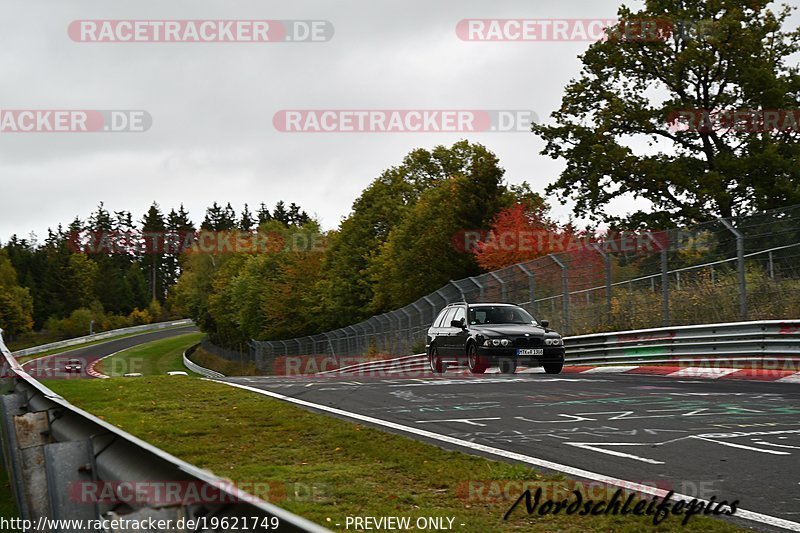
x=94 y=373
x=418 y=364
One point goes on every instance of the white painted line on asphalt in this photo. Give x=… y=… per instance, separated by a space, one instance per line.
x=542 y=463
x=794 y=378
x=609 y=369
x=742 y=446
x=462 y=420
x=702 y=372
x=589 y=446
x=764 y=443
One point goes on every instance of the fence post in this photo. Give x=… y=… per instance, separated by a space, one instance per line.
x=460 y=290
x=503 y=292
x=387 y=338
x=420 y=318
x=565 y=291
x=739 y=268
x=351 y=347
x=482 y=297
x=433 y=308
x=771 y=266
x=374 y=340
x=607 y=262
x=664 y=289
x=408 y=324
x=531 y=287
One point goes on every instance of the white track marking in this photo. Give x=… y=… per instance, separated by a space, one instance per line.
x=777 y=445
x=609 y=369
x=499 y=452
x=462 y=420
x=702 y=372
x=742 y=446
x=594 y=447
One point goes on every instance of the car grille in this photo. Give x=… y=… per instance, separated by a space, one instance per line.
x=528 y=342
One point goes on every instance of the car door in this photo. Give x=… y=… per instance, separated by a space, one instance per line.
x=458 y=336
x=435 y=332
x=444 y=341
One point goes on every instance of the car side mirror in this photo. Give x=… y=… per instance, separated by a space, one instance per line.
x=545 y=323
x=460 y=323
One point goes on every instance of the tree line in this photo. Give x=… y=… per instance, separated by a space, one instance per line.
x=63 y=286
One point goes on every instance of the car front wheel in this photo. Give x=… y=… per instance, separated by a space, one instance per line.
x=435 y=361
x=476 y=363
x=553 y=368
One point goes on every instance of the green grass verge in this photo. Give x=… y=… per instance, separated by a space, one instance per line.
x=211 y=361
x=154 y=358
x=325 y=468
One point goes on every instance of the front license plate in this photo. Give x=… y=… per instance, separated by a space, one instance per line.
x=530 y=351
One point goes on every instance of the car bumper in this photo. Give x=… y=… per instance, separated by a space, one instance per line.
x=552 y=354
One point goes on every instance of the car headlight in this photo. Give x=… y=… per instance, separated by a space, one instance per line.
x=496 y=342
x=553 y=342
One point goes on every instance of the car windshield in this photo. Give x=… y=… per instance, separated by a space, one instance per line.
x=499 y=314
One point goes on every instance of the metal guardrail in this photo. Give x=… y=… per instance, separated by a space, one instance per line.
x=194 y=367
x=768 y=342
x=53 y=451
x=77 y=341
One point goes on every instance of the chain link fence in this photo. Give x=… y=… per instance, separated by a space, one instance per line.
x=747 y=268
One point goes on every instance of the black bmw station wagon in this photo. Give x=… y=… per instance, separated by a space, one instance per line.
x=492 y=334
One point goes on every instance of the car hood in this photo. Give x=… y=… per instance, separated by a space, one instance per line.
x=510 y=330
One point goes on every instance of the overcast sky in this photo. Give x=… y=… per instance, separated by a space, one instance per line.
x=212 y=104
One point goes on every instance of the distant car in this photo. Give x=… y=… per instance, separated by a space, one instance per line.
x=492 y=334
x=177 y=373
x=73 y=365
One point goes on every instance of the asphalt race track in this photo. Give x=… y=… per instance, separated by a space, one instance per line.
x=734 y=440
x=52 y=366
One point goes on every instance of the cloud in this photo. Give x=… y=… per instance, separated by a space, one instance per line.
x=212 y=104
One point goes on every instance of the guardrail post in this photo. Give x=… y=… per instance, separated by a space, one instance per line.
x=664 y=288
x=531 y=287
x=739 y=268
x=503 y=292
x=565 y=293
